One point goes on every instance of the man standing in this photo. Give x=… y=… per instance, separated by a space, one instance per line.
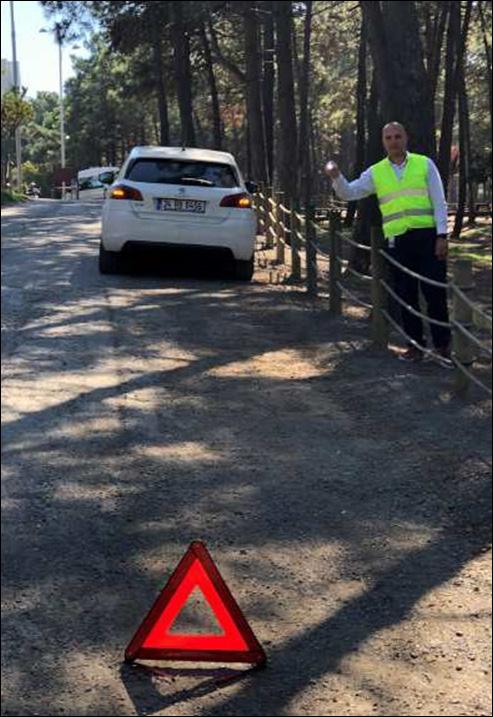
x=410 y=194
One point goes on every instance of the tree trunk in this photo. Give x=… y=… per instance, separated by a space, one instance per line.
x=248 y=150
x=216 y=113
x=162 y=98
x=466 y=184
x=456 y=48
x=304 y=143
x=487 y=51
x=368 y=211
x=297 y=68
x=360 y=118
x=471 y=185
x=286 y=101
x=403 y=84
x=183 y=78
x=461 y=204
x=453 y=38
x=384 y=71
x=435 y=48
x=253 y=92
x=313 y=136
x=268 y=87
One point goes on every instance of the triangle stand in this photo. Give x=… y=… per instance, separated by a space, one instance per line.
x=154 y=639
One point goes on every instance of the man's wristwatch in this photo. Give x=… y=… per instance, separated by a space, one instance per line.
x=442 y=236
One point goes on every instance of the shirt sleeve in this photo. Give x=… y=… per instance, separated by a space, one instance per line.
x=358 y=189
x=437 y=196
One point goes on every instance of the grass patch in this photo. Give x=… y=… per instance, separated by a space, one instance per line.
x=483 y=260
x=481 y=232
x=11 y=196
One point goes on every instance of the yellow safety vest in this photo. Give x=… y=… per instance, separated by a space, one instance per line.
x=404 y=203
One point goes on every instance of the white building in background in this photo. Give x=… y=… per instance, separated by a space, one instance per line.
x=8 y=75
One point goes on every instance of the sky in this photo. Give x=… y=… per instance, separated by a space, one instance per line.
x=37 y=52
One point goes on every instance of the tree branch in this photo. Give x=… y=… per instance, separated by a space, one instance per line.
x=221 y=59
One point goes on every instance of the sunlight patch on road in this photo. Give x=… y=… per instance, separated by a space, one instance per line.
x=284 y=364
x=69 y=491
x=186 y=452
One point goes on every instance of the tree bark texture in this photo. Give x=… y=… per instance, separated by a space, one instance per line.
x=254 y=92
x=217 y=132
x=403 y=84
x=450 y=91
x=162 y=99
x=268 y=86
x=288 y=140
x=487 y=51
x=361 y=92
x=456 y=47
x=183 y=75
x=304 y=148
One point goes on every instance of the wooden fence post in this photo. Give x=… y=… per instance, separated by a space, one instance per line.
x=280 y=232
x=335 y=296
x=463 y=314
x=379 y=324
x=294 y=226
x=267 y=221
x=311 y=252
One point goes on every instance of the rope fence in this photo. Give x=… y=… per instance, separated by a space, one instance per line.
x=471 y=304
x=409 y=308
x=313 y=239
x=415 y=275
x=424 y=350
x=345 y=291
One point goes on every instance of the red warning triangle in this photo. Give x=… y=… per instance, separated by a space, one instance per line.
x=154 y=640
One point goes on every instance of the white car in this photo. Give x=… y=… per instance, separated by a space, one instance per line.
x=182 y=198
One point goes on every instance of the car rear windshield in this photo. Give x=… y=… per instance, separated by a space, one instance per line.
x=169 y=171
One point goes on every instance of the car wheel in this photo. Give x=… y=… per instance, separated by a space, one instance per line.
x=244 y=270
x=109 y=261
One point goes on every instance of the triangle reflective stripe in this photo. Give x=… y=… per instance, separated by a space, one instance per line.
x=154 y=639
x=160 y=636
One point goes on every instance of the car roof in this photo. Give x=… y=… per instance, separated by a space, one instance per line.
x=94 y=171
x=183 y=153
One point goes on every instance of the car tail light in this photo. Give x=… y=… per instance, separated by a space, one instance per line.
x=241 y=201
x=123 y=191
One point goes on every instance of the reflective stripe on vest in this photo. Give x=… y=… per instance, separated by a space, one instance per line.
x=408 y=213
x=403 y=193
x=404 y=203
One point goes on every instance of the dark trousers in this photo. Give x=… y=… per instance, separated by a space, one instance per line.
x=416 y=251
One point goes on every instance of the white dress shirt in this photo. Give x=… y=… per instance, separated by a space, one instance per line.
x=365 y=187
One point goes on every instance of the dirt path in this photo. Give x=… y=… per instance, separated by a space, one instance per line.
x=345 y=496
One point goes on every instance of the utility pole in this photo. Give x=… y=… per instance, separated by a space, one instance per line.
x=59 y=39
x=18 y=148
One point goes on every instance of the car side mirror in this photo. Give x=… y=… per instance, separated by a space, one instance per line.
x=106 y=177
x=251 y=187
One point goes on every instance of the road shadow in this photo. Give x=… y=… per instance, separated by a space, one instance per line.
x=152 y=689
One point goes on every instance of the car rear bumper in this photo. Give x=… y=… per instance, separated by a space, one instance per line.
x=124 y=230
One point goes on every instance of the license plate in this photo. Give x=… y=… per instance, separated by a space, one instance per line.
x=191 y=206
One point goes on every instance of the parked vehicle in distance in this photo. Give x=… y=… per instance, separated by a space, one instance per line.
x=33 y=190
x=89 y=183
x=185 y=198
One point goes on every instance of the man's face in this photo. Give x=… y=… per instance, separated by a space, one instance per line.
x=394 y=139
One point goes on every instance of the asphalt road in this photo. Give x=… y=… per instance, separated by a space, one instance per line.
x=345 y=497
